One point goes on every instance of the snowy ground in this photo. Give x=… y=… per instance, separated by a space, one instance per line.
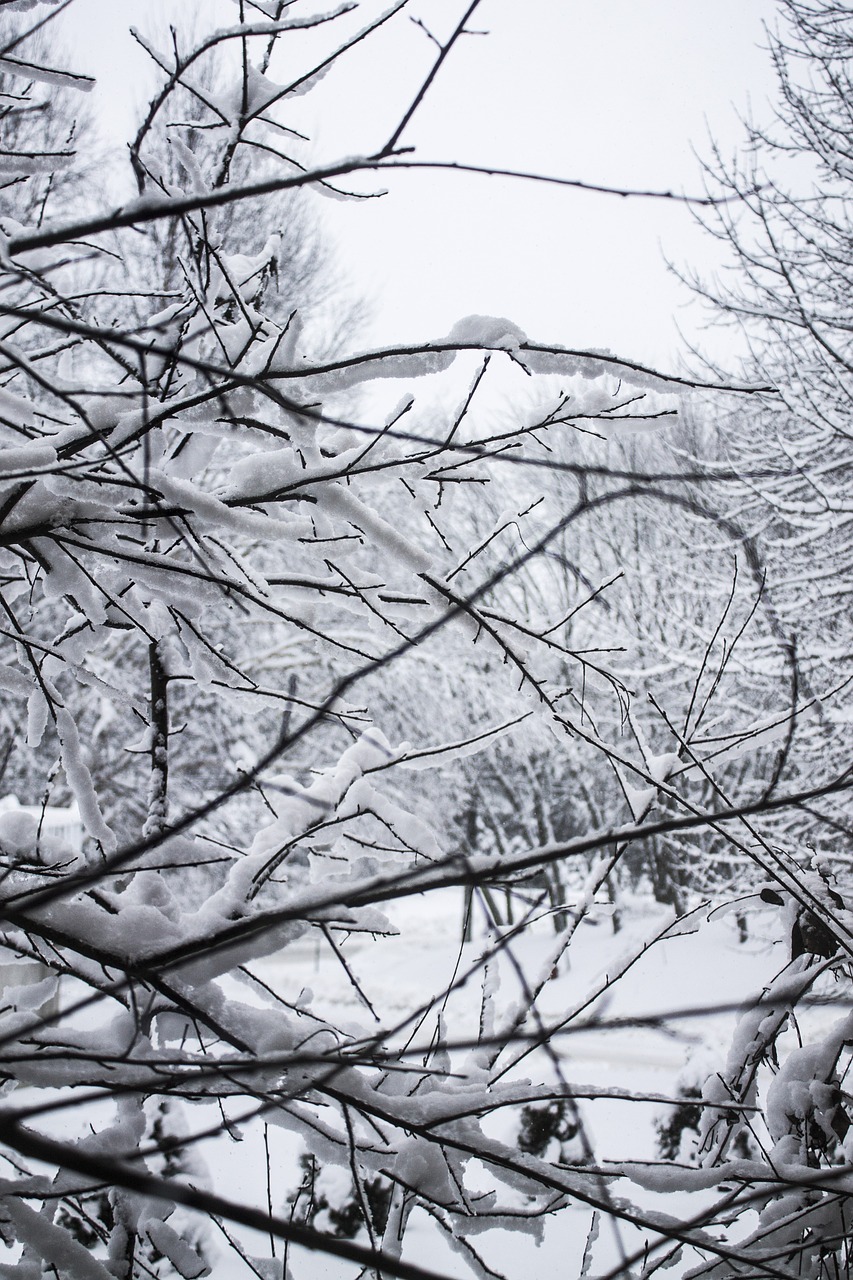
x=695 y=972
x=691 y=972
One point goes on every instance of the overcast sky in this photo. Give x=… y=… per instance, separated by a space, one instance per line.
x=610 y=91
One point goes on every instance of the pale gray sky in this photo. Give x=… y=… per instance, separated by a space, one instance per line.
x=612 y=91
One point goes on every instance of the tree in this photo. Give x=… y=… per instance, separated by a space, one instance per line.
x=788 y=232
x=183 y=141
x=785 y=220
x=167 y=487
x=786 y=226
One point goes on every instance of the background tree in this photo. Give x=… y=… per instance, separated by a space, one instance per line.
x=786 y=225
x=788 y=233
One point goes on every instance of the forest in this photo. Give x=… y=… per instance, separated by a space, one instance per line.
x=425 y=825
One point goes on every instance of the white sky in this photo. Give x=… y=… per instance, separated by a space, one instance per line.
x=612 y=91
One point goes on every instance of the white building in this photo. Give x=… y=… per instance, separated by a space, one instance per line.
x=32 y=834
x=22 y=825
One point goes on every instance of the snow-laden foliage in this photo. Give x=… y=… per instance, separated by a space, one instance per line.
x=296 y=649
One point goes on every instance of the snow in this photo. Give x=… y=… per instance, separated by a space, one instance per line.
x=18 y=830
x=337 y=500
x=80 y=781
x=14 y=681
x=27 y=459
x=18 y=411
x=45 y=75
x=592 y=364
x=487 y=332
x=183 y=1258
x=20 y=6
x=56 y=1247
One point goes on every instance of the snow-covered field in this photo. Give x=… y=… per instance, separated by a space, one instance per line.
x=695 y=972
